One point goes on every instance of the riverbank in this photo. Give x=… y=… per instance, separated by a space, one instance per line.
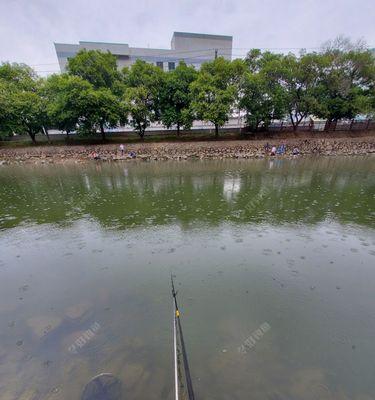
x=220 y=149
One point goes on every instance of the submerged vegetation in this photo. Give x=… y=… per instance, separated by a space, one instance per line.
x=93 y=95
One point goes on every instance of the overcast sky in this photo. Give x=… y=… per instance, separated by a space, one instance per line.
x=28 y=28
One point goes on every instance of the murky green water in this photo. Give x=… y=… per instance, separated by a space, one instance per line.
x=288 y=243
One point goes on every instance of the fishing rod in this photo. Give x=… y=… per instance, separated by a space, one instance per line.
x=175 y=353
x=177 y=327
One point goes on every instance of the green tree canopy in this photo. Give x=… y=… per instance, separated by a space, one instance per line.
x=74 y=104
x=261 y=100
x=258 y=61
x=22 y=105
x=143 y=84
x=5 y=110
x=347 y=81
x=98 y=106
x=176 y=97
x=299 y=78
x=64 y=106
x=335 y=83
x=214 y=92
x=261 y=96
x=95 y=66
x=99 y=109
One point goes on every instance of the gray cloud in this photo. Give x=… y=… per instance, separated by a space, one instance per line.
x=28 y=28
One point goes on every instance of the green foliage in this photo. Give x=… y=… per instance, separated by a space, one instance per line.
x=261 y=95
x=64 y=94
x=5 y=111
x=140 y=108
x=143 y=84
x=299 y=77
x=261 y=100
x=256 y=61
x=29 y=112
x=335 y=84
x=22 y=106
x=74 y=104
x=214 y=92
x=347 y=83
x=93 y=95
x=176 y=97
x=99 y=109
x=96 y=67
x=94 y=107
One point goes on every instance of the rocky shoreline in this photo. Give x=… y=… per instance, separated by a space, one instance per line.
x=241 y=149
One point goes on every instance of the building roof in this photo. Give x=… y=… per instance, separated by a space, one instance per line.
x=202 y=36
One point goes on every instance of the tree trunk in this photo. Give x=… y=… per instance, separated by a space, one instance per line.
x=216 y=131
x=256 y=125
x=328 y=124
x=178 y=129
x=45 y=130
x=32 y=135
x=141 y=129
x=67 y=139
x=293 y=123
x=102 y=131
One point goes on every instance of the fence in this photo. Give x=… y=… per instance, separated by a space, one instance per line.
x=233 y=126
x=328 y=126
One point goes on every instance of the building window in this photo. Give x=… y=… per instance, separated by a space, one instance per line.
x=171 y=66
x=159 y=64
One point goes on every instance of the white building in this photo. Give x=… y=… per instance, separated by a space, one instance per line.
x=193 y=48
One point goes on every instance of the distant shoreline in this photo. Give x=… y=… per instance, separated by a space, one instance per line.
x=185 y=150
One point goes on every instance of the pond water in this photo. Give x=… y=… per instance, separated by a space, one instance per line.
x=274 y=264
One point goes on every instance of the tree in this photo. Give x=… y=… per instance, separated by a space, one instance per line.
x=140 y=108
x=261 y=95
x=176 y=97
x=347 y=81
x=214 y=92
x=64 y=105
x=262 y=100
x=96 y=67
x=143 y=85
x=257 y=61
x=97 y=106
x=28 y=113
x=299 y=77
x=4 y=111
x=21 y=100
x=74 y=104
x=99 y=109
x=21 y=76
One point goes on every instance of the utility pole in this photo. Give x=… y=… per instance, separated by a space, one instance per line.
x=215 y=54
